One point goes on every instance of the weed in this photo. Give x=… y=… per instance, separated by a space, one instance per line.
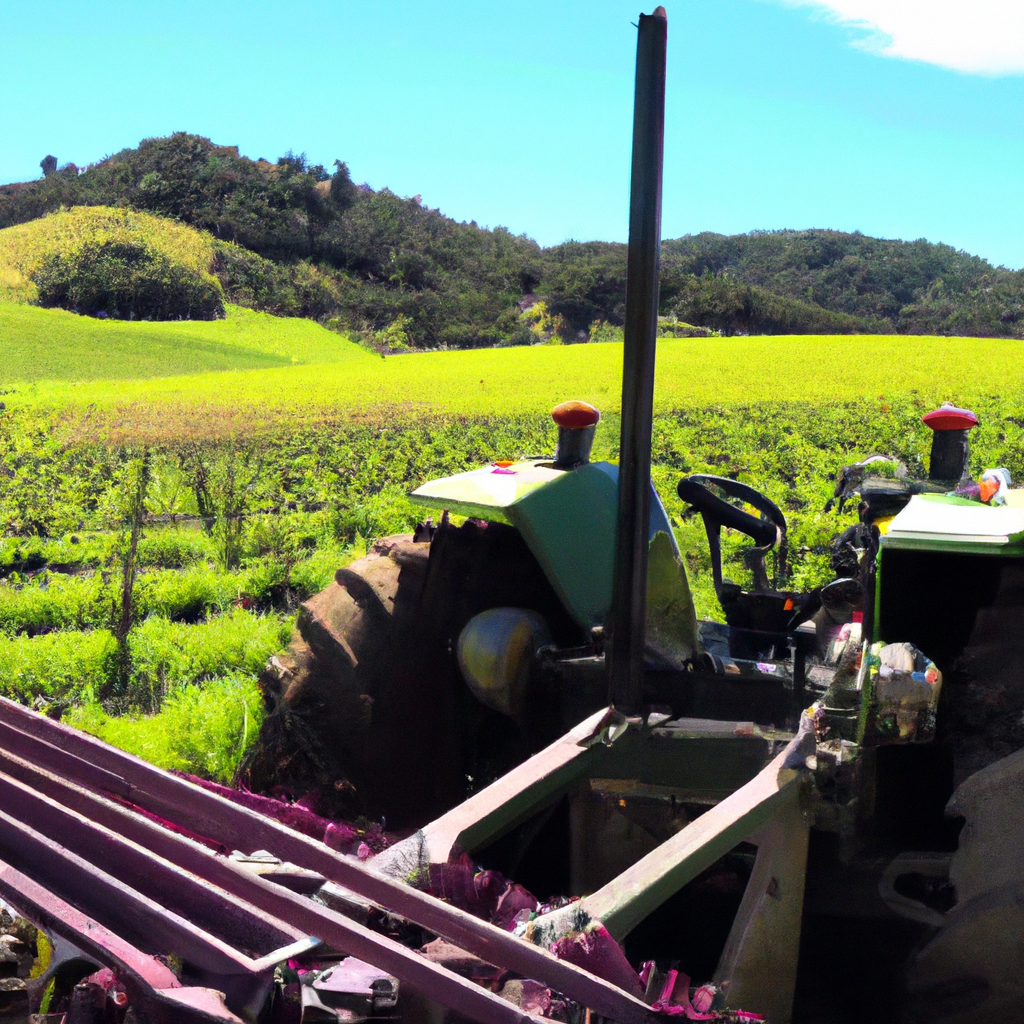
x=174 y=548
x=58 y=667
x=167 y=655
x=202 y=729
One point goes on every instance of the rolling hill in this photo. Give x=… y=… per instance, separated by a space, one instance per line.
x=58 y=346
x=296 y=239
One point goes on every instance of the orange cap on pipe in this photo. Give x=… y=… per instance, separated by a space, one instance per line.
x=575 y=415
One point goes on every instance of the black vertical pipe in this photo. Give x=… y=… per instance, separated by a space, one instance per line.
x=626 y=621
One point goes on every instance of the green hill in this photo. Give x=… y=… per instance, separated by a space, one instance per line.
x=296 y=239
x=55 y=345
x=309 y=243
x=908 y=287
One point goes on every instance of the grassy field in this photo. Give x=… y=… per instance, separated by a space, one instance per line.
x=261 y=370
x=62 y=348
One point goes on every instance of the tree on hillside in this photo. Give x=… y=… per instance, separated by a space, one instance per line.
x=49 y=165
x=343 y=188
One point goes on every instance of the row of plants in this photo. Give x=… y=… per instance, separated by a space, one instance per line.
x=274 y=504
x=147 y=632
x=73 y=666
x=191 y=703
x=128 y=623
x=49 y=600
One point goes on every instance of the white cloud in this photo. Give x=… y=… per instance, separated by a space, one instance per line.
x=976 y=36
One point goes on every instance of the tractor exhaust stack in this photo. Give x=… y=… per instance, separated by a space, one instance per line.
x=626 y=620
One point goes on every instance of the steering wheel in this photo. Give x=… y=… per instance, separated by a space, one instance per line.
x=766 y=531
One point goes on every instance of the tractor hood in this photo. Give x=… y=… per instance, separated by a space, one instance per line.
x=566 y=516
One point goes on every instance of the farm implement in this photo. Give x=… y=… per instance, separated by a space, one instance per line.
x=810 y=812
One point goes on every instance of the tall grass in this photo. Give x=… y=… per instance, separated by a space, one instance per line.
x=51 y=601
x=58 y=667
x=72 y=665
x=54 y=601
x=166 y=655
x=204 y=730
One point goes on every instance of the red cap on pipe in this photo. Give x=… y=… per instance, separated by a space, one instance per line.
x=949 y=417
x=575 y=415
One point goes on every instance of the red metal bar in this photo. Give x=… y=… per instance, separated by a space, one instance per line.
x=117 y=880
x=76 y=755
x=144 y=976
x=125 y=911
x=435 y=981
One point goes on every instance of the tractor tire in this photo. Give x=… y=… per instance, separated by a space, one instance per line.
x=970 y=971
x=367 y=708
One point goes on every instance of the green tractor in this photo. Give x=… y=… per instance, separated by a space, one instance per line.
x=813 y=810
x=432 y=682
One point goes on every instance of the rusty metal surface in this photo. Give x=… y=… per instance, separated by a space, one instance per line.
x=144 y=976
x=404 y=963
x=74 y=756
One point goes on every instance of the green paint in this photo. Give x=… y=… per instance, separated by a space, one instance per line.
x=488 y=492
x=567 y=518
x=569 y=525
x=671 y=618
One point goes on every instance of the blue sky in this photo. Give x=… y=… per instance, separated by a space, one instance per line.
x=851 y=114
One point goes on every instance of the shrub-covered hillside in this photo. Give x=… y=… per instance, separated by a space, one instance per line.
x=118 y=263
x=298 y=239
x=906 y=287
x=585 y=283
x=309 y=242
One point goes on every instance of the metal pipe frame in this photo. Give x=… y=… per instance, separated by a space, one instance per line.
x=116 y=878
x=66 y=757
x=246 y=886
x=537 y=782
x=757 y=969
x=145 y=977
x=626 y=621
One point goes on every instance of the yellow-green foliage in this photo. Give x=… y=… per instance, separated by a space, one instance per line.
x=109 y=259
x=691 y=373
x=544 y=326
x=204 y=729
x=54 y=666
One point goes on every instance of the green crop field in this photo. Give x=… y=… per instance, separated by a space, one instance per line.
x=271 y=451
x=484 y=381
x=279 y=370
